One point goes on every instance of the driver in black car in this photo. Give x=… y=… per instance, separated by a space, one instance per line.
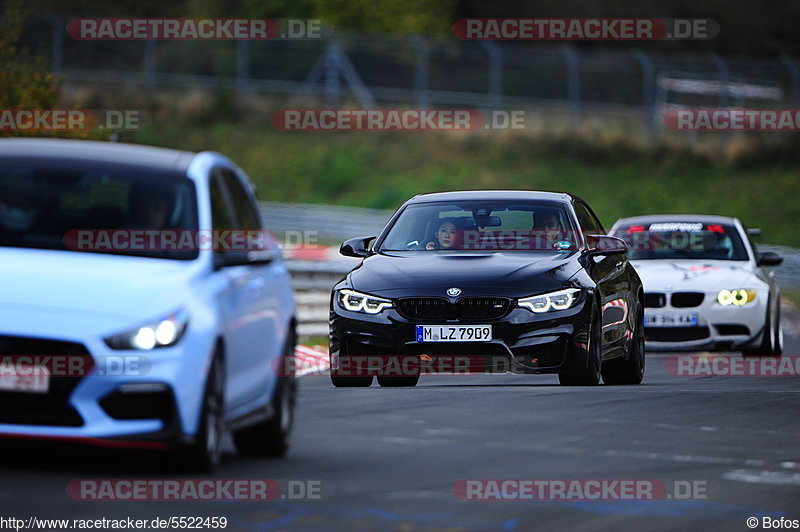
x=446 y=236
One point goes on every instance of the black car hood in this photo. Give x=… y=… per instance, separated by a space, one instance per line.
x=511 y=274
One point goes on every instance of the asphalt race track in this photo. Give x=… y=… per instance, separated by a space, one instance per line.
x=388 y=459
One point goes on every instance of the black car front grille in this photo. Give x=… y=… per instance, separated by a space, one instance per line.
x=655 y=300
x=687 y=299
x=51 y=408
x=467 y=309
x=482 y=308
x=425 y=308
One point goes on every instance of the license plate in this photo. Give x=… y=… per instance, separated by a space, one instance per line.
x=454 y=333
x=26 y=379
x=670 y=319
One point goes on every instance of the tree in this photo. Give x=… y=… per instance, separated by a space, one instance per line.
x=25 y=82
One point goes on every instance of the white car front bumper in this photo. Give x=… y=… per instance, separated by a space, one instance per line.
x=717 y=327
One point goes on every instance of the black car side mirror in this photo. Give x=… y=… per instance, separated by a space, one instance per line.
x=768 y=258
x=606 y=245
x=356 y=247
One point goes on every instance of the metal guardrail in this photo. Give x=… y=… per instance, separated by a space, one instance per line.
x=326 y=223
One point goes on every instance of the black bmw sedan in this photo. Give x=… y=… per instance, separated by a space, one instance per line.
x=488 y=281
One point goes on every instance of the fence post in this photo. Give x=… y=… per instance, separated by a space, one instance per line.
x=794 y=75
x=332 y=81
x=572 y=62
x=420 y=71
x=495 y=73
x=242 y=64
x=57 y=46
x=648 y=92
x=150 y=62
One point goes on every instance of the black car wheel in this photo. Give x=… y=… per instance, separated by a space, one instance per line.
x=591 y=375
x=630 y=371
x=273 y=436
x=206 y=453
x=342 y=378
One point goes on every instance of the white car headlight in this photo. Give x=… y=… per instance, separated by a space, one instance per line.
x=360 y=302
x=737 y=297
x=160 y=333
x=560 y=300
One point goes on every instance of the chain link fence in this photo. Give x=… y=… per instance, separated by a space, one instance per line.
x=384 y=70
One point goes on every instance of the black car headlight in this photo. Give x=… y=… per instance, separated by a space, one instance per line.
x=165 y=332
x=551 y=301
x=360 y=302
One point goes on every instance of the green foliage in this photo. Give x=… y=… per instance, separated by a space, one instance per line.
x=25 y=82
x=381 y=170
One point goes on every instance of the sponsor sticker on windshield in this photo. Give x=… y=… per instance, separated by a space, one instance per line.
x=676 y=226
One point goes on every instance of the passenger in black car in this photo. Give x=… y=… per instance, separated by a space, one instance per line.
x=547 y=228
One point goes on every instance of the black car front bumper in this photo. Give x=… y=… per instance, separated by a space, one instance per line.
x=522 y=342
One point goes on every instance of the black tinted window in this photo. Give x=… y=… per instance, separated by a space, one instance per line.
x=51 y=205
x=246 y=216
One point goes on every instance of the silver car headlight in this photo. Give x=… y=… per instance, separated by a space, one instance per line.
x=360 y=302
x=165 y=332
x=736 y=297
x=552 y=301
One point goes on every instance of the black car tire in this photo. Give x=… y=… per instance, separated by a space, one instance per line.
x=272 y=437
x=397 y=382
x=205 y=454
x=630 y=371
x=591 y=375
x=349 y=381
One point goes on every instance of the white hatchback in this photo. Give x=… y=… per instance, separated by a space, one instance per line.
x=124 y=321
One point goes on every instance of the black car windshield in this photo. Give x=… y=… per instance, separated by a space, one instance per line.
x=65 y=207
x=681 y=239
x=512 y=225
